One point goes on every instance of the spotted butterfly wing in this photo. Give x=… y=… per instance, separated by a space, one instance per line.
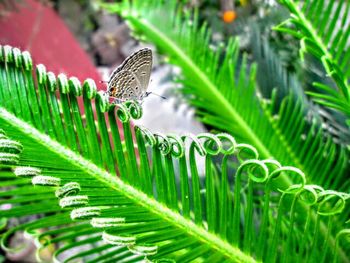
x=125 y=86
x=130 y=80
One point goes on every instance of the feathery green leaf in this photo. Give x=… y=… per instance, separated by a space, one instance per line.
x=225 y=96
x=144 y=213
x=323 y=28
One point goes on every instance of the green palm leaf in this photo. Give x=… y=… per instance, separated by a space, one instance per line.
x=324 y=29
x=272 y=73
x=225 y=96
x=144 y=214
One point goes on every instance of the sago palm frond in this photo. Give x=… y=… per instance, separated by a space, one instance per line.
x=225 y=97
x=272 y=74
x=158 y=209
x=323 y=28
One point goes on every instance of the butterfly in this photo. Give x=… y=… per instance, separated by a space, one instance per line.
x=130 y=80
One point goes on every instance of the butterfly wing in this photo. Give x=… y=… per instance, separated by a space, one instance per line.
x=124 y=86
x=140 y=63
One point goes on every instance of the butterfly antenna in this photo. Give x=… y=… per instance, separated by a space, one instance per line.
x=148 y=93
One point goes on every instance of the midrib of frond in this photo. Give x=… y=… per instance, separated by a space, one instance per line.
x=198 y=233
x=310 y=29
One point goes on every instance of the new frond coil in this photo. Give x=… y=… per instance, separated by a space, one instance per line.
x=46 y=180
x=143 y=250
x=84 y=213
x=73 y=201
x=107 y=222
x=68 y=189
x=9 y=150
x=118 y=240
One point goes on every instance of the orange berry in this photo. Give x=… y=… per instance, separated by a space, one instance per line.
x=229 y=16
